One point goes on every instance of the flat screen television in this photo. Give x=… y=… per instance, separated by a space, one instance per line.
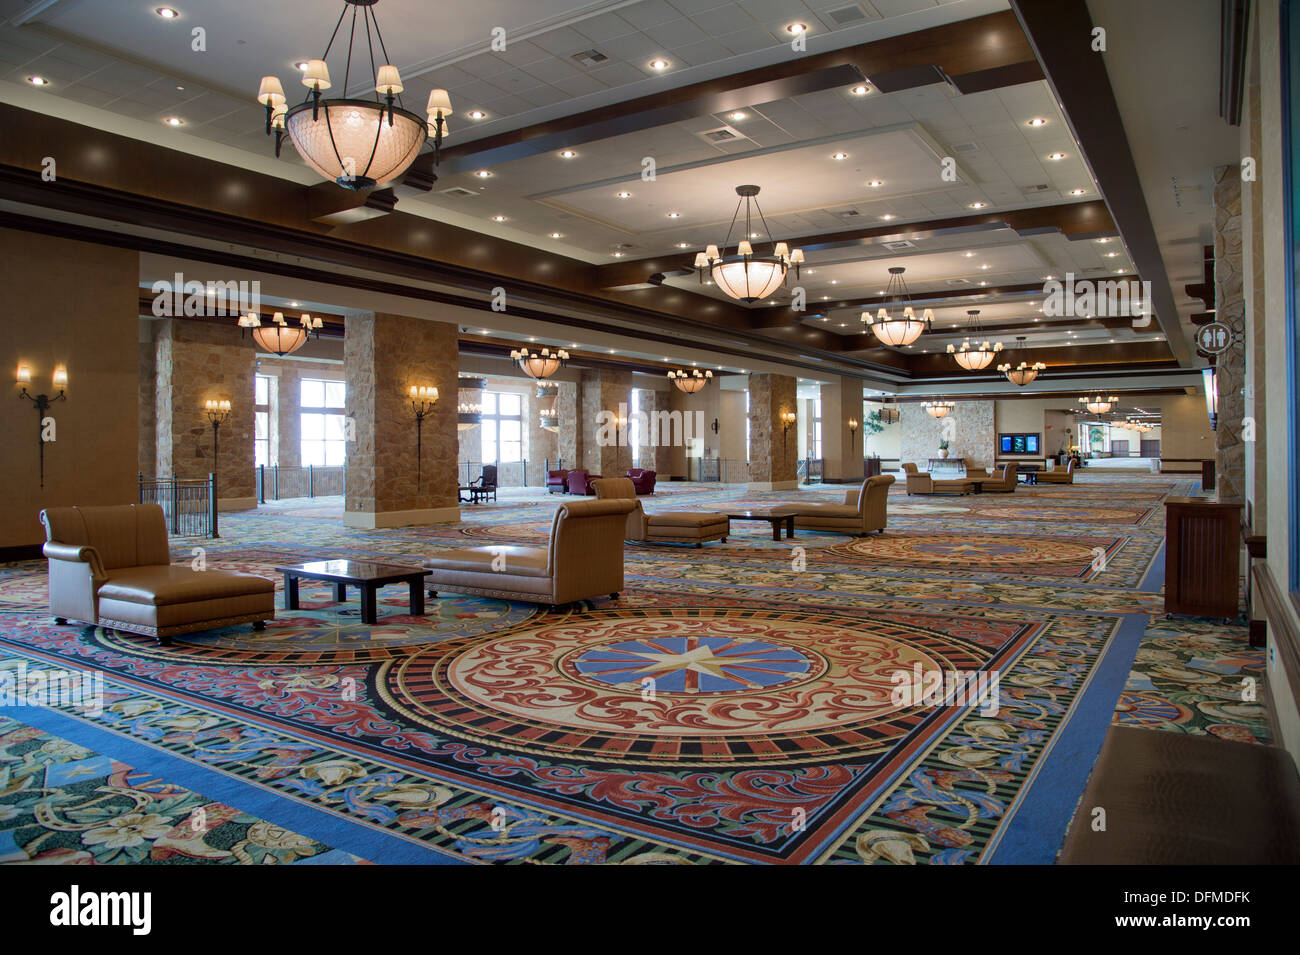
x=1018 y=443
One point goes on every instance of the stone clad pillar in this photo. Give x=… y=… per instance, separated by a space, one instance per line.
x=568 y=443
x=383 y=356
x=603 y=451
x=196 y=361
x=773 y=456
x=841 y=447
x=1230 y=308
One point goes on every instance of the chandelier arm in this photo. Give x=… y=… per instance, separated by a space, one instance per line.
x=370 y=45
x=333 y=35
x=374 y=150
x=732 y=227
x=347 y=67
x=763 y=219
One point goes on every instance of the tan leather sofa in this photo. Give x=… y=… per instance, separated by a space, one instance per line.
x=920 y=482
x=1057 y=475
x=864 y=510
x=111 y=566
x=1003 y=483
x=680 y=527
x=583 y=559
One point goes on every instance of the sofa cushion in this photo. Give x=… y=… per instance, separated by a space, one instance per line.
x=827 y=510
x=166 y=584
x=685 y=519
x=516 y=561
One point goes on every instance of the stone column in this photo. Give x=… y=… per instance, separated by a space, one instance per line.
x=1230 y=308
x=773 y=455
x=543 y=445
x=842 y=448
x=384 y=355
x=195 y=361
x=568 y=443
x=147 y=452
x=1252 y=215
x=288 y=405
x=604 y=451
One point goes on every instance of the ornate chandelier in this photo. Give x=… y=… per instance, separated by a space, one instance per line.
x=540 y=364
x=903 y=328
x=1099 y=405
x=279 y=337
x=938 y=409
x=548 y=416
x=744 y=275
x=1023 y=373
x=974 y=357
x=359 y=143
x=690 y=382
x=469 y=402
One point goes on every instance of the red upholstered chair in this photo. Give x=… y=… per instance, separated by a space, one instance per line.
x=580 y=482
x=557 y=481
x=642 y=480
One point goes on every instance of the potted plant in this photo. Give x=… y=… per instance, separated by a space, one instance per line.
x=943 y=448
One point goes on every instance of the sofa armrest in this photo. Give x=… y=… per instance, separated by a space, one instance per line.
x=75 y=553
x=851 y=497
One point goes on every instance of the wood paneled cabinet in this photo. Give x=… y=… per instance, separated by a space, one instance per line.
x=1202 y=557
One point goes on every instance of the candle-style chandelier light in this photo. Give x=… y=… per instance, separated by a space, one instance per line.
x=973 y=354
x=1023 y=373
x=745 y=275
x=896 y=323
x=359 y=143
x=469 y=402
x=279 y=337
x=540 y=364
x=1098 y=404
x=938 y=409
x=690 y=382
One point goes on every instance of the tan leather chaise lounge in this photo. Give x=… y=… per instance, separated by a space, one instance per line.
x=583 y=559
x=1004 y=483
x=111 y=566
x=680 y=527
x=1058 y=475
x=864 y=510
x=920 y=482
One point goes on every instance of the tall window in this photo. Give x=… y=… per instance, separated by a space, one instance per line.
x=634 y=427
x=503 y=427
x=1290 y=36
x=323 y=442
x=262 y=386
x=816 y=429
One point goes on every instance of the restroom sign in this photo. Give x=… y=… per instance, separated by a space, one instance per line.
x=1214 y=338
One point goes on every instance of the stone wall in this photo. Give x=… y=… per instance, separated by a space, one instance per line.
x=773 y=451
x=969 y=429
x=147 y=450
x=602 y=391
x=1230 y=308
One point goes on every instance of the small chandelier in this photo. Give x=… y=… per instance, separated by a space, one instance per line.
x=901 y=329
x=549 y=417
x=692 y=382
x=359 y=143
x=938 y=409
x=1099 y=405
x=469 y=402
x=540 y=364
x=1024 y=373
x=744 y=275
x=974 y=357
x=279 y=337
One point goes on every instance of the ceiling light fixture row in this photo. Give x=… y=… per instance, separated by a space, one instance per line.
x=359 y=143
x=744 y=275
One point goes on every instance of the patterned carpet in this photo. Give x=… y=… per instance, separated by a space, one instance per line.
x=739 y=703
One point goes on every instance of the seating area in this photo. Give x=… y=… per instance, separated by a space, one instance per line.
x=653 y=432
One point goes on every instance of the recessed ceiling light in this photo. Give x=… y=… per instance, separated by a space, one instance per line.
x=875 y=183
x=978 y=205
x=738 y=115
x=1049 y=278
x=167 y=13
x=1112 y=255
x=1103 y=241
x=860 y=90
x=839 y=155
x=1055 y=156
x=498 y=218
x=293 y=304
x=618 y=255
x=567 y=154
x=983 y=266
x=174 y=121
x=674 y=215
x=1077 y=192
x=683 y=245
x=1036 y=122
x=181 y=88
x=887 y=216
x=301 y=66
x=970 y=255
x=835 y=281
x=984 y=283
x=557 y=235
x=38 y=81
x=476 y=114
x=625 y=195
x=658 y=64
x=796 y=28
x=483 y=174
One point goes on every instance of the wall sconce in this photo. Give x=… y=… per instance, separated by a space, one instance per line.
x=1210 y=379
x=218 y=412
x=423 y=398
x=714 y=426
x=23 y=378
x=787 y=418
x=853 y=429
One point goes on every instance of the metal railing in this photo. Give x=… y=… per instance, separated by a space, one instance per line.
x=275 y=482
x=189 y=505
x=722 y=470
x=811 y=469
x=509 y=473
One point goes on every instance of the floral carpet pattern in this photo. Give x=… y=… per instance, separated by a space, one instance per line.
x=738 y=703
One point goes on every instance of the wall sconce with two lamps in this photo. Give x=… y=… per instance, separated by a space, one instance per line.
x=45 y=430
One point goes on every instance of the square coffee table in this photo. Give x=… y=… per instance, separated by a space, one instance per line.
x=776 y=516
x=365 y=575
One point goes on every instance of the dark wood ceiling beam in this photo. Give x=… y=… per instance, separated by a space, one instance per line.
x=974 y=54
x=1059 y=31
x=782 y=315
x=1075 y=359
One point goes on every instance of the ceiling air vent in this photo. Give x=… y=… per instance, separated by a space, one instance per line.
x=957 y=282
x=846 y=15
x=899 y=246
x=723 y=134
x=457 y=192
x=1041 y=187
x=590 y=58
x=848 y=213
x=965 y=147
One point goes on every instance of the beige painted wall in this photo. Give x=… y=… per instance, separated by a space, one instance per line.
x=886 y=443
x=74 y=304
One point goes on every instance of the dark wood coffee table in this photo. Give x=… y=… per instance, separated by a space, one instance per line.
x=365 y=575
x=776 y=516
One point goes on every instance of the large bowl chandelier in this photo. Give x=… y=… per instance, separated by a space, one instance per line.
x=744 y=275
x=359 y=143
x=690 y=382
x=900 y=327
x=469 y=402
x=1099 y=405
x=279 y=337
x=540 y=364
x=938 y=409
x=974 y=355
x=1023 y=373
